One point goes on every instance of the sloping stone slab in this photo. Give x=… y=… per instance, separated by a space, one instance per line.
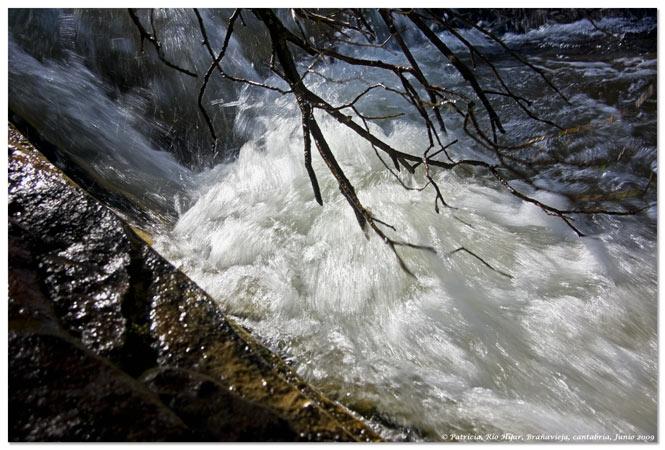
x=108 y=341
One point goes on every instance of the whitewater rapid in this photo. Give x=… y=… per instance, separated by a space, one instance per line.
x=559 y=336
x=566 y=345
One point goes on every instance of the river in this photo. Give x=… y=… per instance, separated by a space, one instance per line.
x=559 y=336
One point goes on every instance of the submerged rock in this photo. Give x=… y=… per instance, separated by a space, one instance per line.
x=108 y=341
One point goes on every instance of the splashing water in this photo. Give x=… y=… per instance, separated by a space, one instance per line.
x=557 y=336
x=567 y=345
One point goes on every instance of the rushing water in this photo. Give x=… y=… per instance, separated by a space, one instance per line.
x=559 y=339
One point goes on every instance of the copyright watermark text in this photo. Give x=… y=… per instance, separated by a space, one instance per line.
x=513 y=437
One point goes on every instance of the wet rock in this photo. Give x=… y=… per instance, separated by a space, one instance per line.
x=192 y=332
x=212 y=410
x=59 y=391
x=110 y=342
x=82 y=253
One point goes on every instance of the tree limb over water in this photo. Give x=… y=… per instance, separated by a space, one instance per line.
x=353 y=27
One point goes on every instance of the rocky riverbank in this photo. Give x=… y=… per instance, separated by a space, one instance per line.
x=109 y=342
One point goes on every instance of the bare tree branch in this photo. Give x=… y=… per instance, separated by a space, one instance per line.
x=155 y=43
x=466 y=250
x=352 y=25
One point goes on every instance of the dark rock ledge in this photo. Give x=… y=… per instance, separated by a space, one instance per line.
x=109 y=342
